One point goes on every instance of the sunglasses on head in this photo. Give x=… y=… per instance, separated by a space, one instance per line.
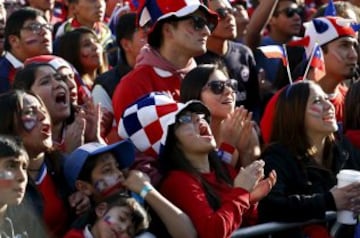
x=218 y=87
x=290 y=12
x=223 y=12
x=190 y=117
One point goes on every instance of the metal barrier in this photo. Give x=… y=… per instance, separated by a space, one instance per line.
x=273 y=227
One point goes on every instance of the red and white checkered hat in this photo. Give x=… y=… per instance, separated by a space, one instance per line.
x=156 y=10
x=146 y=121
x=322 y=30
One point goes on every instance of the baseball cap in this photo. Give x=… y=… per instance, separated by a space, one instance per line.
x=156 y=10
x=123 y=152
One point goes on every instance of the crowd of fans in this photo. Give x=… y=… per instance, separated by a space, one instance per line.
x=177 y=118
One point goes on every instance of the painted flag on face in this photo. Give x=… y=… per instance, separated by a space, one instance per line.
x=274 y=51
x=318 y=63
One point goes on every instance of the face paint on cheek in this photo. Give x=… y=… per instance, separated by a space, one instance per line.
x=339 y=55
x=31 y=40
x=6 y=178
x=29 y=123
x=111 y=221
x=108 y=185
x=189 y=33
x=315 y=111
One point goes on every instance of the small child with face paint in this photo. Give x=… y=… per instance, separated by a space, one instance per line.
x=119 y=216
x=100 y=171
x=14 y=220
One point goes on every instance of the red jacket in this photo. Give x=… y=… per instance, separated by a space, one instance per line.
x=186 y=192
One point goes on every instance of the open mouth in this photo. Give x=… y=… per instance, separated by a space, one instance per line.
x=329 y=117
x=61 y=98
x=46 y=129
x=118 y=187
x=204 y=131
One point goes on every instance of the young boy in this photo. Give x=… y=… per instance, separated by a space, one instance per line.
x=118 y=216
x=14 y=219
x=99 y=171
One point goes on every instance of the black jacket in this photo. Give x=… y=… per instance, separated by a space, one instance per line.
x=302 y=188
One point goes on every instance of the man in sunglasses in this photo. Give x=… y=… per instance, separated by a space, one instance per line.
x=284 y=24
x=238 y=58
x=27 y=34
x=179 y=32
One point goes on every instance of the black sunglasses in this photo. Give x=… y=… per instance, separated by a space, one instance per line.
x=290 y=12
x=218 y=87
x=223 y=12
x=199 y=23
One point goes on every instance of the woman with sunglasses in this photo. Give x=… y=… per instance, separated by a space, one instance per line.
x=216 y=197
x=231 y=126
x=307 y=157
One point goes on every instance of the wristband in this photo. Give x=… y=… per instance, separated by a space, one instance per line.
x=225 y=152
x=145 y=190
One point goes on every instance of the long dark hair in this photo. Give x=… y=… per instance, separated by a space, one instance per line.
x=25 y=78
x=352 y=108
x=11 y=104
x=70 y=41
x=291 y=132
x=173 y=158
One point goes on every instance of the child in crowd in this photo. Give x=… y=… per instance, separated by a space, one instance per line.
x=118 y=215
x=14 y=161
x=100 y=170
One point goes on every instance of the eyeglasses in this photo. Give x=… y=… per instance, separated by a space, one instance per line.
x=218 y=87
x=290 y=12
x=223 y=12
x=36 y=28
x=199 y=23
x=190 y=117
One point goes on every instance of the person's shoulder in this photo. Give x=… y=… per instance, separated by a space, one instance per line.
x=139 y=73
x=238 y=45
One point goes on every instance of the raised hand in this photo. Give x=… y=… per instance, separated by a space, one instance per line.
x=74 y=135
x=231 y=127
x=92 y=115
x=135 y=180
x=249 y=177
x=263 y=187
